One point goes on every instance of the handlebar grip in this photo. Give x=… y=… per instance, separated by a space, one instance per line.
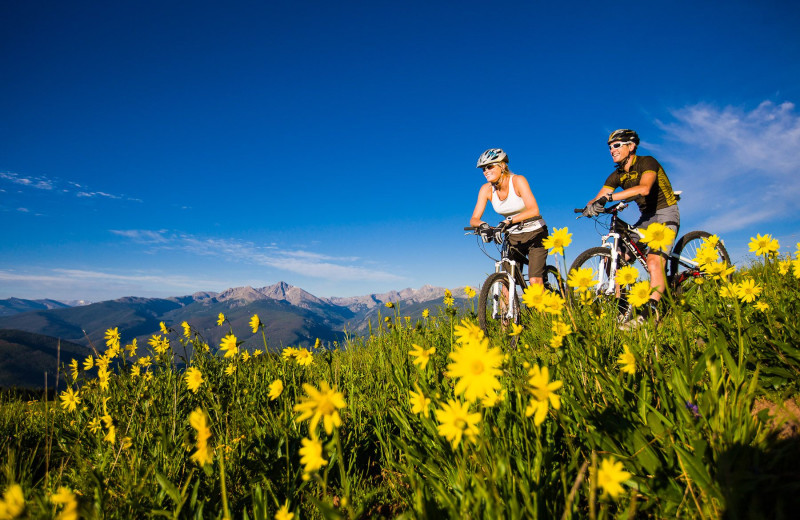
x=578 y=210
x=469 y=228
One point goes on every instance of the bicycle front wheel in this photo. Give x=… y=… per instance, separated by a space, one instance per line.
x=600 y=261
x=494 y=302
x=683 y=268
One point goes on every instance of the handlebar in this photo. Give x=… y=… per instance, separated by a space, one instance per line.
x=615 y=208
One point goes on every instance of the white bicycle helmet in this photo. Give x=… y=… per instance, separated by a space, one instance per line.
x=491 y=156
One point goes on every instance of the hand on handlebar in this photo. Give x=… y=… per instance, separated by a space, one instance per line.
x=595 y=208
x=504 y=224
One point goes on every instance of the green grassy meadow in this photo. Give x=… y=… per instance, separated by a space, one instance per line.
x=428 y=418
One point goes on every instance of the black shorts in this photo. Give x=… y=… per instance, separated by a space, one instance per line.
x=528 y=247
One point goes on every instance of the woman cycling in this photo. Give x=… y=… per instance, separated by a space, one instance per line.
x=642 y=179
x=511 y=197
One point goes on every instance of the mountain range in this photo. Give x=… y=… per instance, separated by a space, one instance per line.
x=291 y=316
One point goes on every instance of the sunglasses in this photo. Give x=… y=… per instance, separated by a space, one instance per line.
x=614 y=146
x=490 y=166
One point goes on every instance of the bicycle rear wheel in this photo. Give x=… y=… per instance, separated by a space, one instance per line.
x=683 y=269
x=494 y=302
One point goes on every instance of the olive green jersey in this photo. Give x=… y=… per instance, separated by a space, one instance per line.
x=661 y=194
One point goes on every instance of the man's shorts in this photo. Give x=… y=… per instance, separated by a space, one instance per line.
x=529 y=247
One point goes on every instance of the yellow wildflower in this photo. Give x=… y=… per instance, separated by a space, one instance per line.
x=112 y=337
x=283 y=513
x=492 y=398
x=658 y=236
x=448 y=301
x=229 y=345
x=533 y=296
x=204 y=454
x=581 y=279
x=303 y=357
x=761 y=306
x=610 y=477
x=627 y=275
x=516 y=330
x=311 y=455
x=187 y=329
x=68 y=499
x=455 y=422
x=421 y=355
x=255 y=323
x=419 y=403
x=88 y=363
x=476 y=366
x=230 y=370
x=111 y=430
x=70 y=399
x=73 y=369
x=627 y=360
x=389 y=305
x=163 y=328
x=718 y=270
x=469 y=291
x=764 y=245
x=95 y=425
x=640 y=293
x=557 y=241
x=556 y=341
x=275 y=389
x=748 y=291
x=321 y=405
x=194 y=378
x=130 y=348
x=561 y=328
x=728 y=290
x=220 y=319
x=543 y=394
x=552 y=303
x=784 y=265
x=467 y=331
x=425 y=313
x=13 y=502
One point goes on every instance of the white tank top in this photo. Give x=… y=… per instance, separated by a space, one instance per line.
x=513 y=203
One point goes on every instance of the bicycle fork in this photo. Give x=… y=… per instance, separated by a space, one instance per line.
x=498 y=296
x=607 y=275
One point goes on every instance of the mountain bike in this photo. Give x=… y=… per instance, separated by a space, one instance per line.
x=498 y=301
x=621 y=247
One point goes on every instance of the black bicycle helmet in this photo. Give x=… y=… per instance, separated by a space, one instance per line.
x=625 y=135
x=491 y=156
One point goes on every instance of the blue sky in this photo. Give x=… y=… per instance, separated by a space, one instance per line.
x=162 y=148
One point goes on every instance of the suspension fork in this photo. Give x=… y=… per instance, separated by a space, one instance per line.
x=509 y=267
x=610 y=241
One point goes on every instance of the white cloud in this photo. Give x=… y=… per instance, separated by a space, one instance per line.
x=737 y=168
x=70 y=278
x=68 y=187
x=311 y=264
x=143 y=236
x=40 y=183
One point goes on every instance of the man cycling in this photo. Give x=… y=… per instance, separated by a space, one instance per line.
x=643 y=180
